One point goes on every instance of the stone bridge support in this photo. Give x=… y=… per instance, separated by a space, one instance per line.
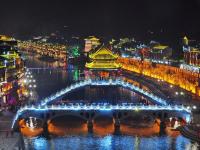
x=116 y=117
x=45 y=130
x=162 y=127
x=90 y=121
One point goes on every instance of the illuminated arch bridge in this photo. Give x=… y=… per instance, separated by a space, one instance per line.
x=90 y=112
x=110 y=82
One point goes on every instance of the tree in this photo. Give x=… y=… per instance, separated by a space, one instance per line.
x=75 y=51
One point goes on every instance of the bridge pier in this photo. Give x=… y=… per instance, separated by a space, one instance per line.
x=21 y=145
x=45 y=130
x=117 y=126
x=90 y=126
x=162 y=127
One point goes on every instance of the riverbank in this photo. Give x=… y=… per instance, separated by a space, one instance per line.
x=8 y=139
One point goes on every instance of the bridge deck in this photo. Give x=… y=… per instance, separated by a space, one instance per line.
x=99 y=107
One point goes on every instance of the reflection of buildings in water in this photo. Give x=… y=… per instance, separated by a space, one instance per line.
x=130 y=96
x=114 y=94
x=34 y=61
x=133 y=94
x=33 y=96
x=125 y=94
x=64 y=75
x=105 y=94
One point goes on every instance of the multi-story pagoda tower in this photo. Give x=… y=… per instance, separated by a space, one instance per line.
x=103 y=59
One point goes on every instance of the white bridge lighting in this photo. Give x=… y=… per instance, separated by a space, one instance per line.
x=43 y=106
x=117 y=82
x=99 y=107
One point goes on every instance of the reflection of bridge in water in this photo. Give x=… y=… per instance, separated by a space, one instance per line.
x=89 y=112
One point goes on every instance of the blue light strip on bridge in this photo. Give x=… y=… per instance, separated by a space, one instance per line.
x=103 y=83
x=99 y=107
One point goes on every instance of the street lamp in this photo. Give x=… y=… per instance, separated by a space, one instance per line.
x=25 y=81
x=188 y=107
x=194 y=107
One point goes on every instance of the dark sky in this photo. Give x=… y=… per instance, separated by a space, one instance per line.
x=166 y=19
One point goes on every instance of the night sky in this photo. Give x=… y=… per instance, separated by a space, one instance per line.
x=153 y=19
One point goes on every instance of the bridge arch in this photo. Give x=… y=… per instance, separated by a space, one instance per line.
x=117 y=82
x=62 y=114
x=31 y=122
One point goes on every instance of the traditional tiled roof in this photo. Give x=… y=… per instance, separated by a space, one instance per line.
x=103 y=53
x=161 y=47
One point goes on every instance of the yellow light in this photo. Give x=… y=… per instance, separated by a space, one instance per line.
x=103 y=59
x=170 y=74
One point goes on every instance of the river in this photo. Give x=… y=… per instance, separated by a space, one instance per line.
x=50 y=81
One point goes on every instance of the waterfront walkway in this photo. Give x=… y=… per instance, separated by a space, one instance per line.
x=8 y=139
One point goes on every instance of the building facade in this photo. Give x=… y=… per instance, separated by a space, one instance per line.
x=11 y=70
x=191 y=50
x=90 y=43
x=103 y=58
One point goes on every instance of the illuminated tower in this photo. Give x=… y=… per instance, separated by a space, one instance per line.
x=185 y=41
x=191 y=52
x=90 y=43
x=103 y=59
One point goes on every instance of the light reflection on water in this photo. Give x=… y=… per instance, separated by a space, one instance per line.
x=109 y=142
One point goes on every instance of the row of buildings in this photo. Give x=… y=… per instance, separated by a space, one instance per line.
x=104 y=59
x=56 y=51
x=11 y=70
x=104 y=55
x=191 y=50
x=126 y=47
x=153 y=50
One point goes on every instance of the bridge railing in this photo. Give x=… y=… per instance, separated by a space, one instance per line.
x=102 y=106
x=99 y=107
x=98 y=82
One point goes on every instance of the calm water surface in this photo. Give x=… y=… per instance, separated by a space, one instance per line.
x=110 y=142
